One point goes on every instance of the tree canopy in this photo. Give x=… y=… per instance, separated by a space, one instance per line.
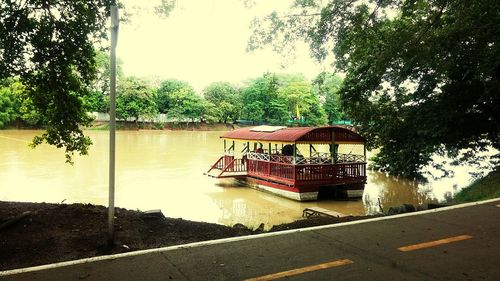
x=300 y=99
x=135 y=99
x=278 y=98
x=8 y=100
x=179 y=101
x=186 y=104
x=49 y=46
x=327 y=86
x=225 y=98
x=422 y=77
x=165 y=91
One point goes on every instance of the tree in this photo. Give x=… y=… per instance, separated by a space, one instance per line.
x=274 y=99
x=8 y=110
x=97 y=100
x=225 y=98
x=327 y=86
x=167 y=87
x=296 y=92
x=253 y=111
x=135 y=99
x=15 y=105
x=49 y=46
x=102 y=63
x=186 y=104
x=422 y=77
x=261 y=102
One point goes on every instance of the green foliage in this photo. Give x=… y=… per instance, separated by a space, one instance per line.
x=327 y=86
x=296 y=92
x=186 y=104
x=165 y=7
x=274 y=99
x=8 y=104
x=179 y=101
x=15 y=104
x=167 y=87
x=260 y=101
x=225 y=99
x=96 y=102
x=422 y=77
x=315 y=115
x=158 y=125
x=102 y=64
x=253 y=111
x=482 y=189
x=97 y=99
x=135 y=99
x=29 y=113
x=49 y=45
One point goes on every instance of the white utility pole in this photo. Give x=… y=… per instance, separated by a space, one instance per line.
x=112 y=122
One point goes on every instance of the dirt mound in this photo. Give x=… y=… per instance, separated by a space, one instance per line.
x=60 y=232
x=40 y=233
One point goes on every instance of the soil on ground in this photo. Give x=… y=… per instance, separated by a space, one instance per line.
x=41 y=233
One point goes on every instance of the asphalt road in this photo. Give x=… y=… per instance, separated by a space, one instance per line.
x=456 y=244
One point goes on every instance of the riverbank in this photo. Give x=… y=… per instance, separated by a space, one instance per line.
x=127 y=126
x=487 y=187
x=173 y=126
x=41 y=233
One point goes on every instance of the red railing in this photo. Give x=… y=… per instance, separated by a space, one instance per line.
x=307 y=174
x=343 y=172
x=280 y=172
x=287 y=173
x=228 y=163
x=219 y=165
x=236 y=165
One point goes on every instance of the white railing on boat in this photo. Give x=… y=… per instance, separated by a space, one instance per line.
x=316 y=158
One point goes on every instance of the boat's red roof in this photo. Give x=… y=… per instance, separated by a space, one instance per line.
x=296 y=134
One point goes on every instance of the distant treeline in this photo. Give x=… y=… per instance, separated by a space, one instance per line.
x=270 y=99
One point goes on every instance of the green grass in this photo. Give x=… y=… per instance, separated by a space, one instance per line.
x=484 y=188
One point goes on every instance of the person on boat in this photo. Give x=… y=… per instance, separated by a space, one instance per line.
x=244 y=159
x=287 y=150
x=335 y=152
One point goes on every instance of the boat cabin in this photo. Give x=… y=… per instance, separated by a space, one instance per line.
x=300 y=163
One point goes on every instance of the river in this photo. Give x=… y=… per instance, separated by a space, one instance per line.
x=164 y=170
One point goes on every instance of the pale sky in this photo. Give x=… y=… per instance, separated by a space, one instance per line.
x=203 y=41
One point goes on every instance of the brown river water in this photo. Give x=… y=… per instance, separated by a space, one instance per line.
x=164 y=170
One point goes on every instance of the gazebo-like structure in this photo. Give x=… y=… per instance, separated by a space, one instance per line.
x=297 y=162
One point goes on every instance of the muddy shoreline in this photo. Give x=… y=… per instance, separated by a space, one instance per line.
x=40 y=233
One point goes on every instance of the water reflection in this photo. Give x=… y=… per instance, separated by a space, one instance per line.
x=164 y=170
x=385 y=191
x=252 y=207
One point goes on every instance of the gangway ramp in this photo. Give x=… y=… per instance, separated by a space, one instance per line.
x=318 y=211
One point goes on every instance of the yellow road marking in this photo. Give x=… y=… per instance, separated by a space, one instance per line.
x=434 y=243
x=302 y=270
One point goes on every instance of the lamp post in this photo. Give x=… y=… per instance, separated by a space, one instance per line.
x=112 y=121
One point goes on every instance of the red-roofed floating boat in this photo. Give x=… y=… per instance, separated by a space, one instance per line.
x=299 y=163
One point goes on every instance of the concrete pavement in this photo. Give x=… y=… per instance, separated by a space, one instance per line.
x=449 y=244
